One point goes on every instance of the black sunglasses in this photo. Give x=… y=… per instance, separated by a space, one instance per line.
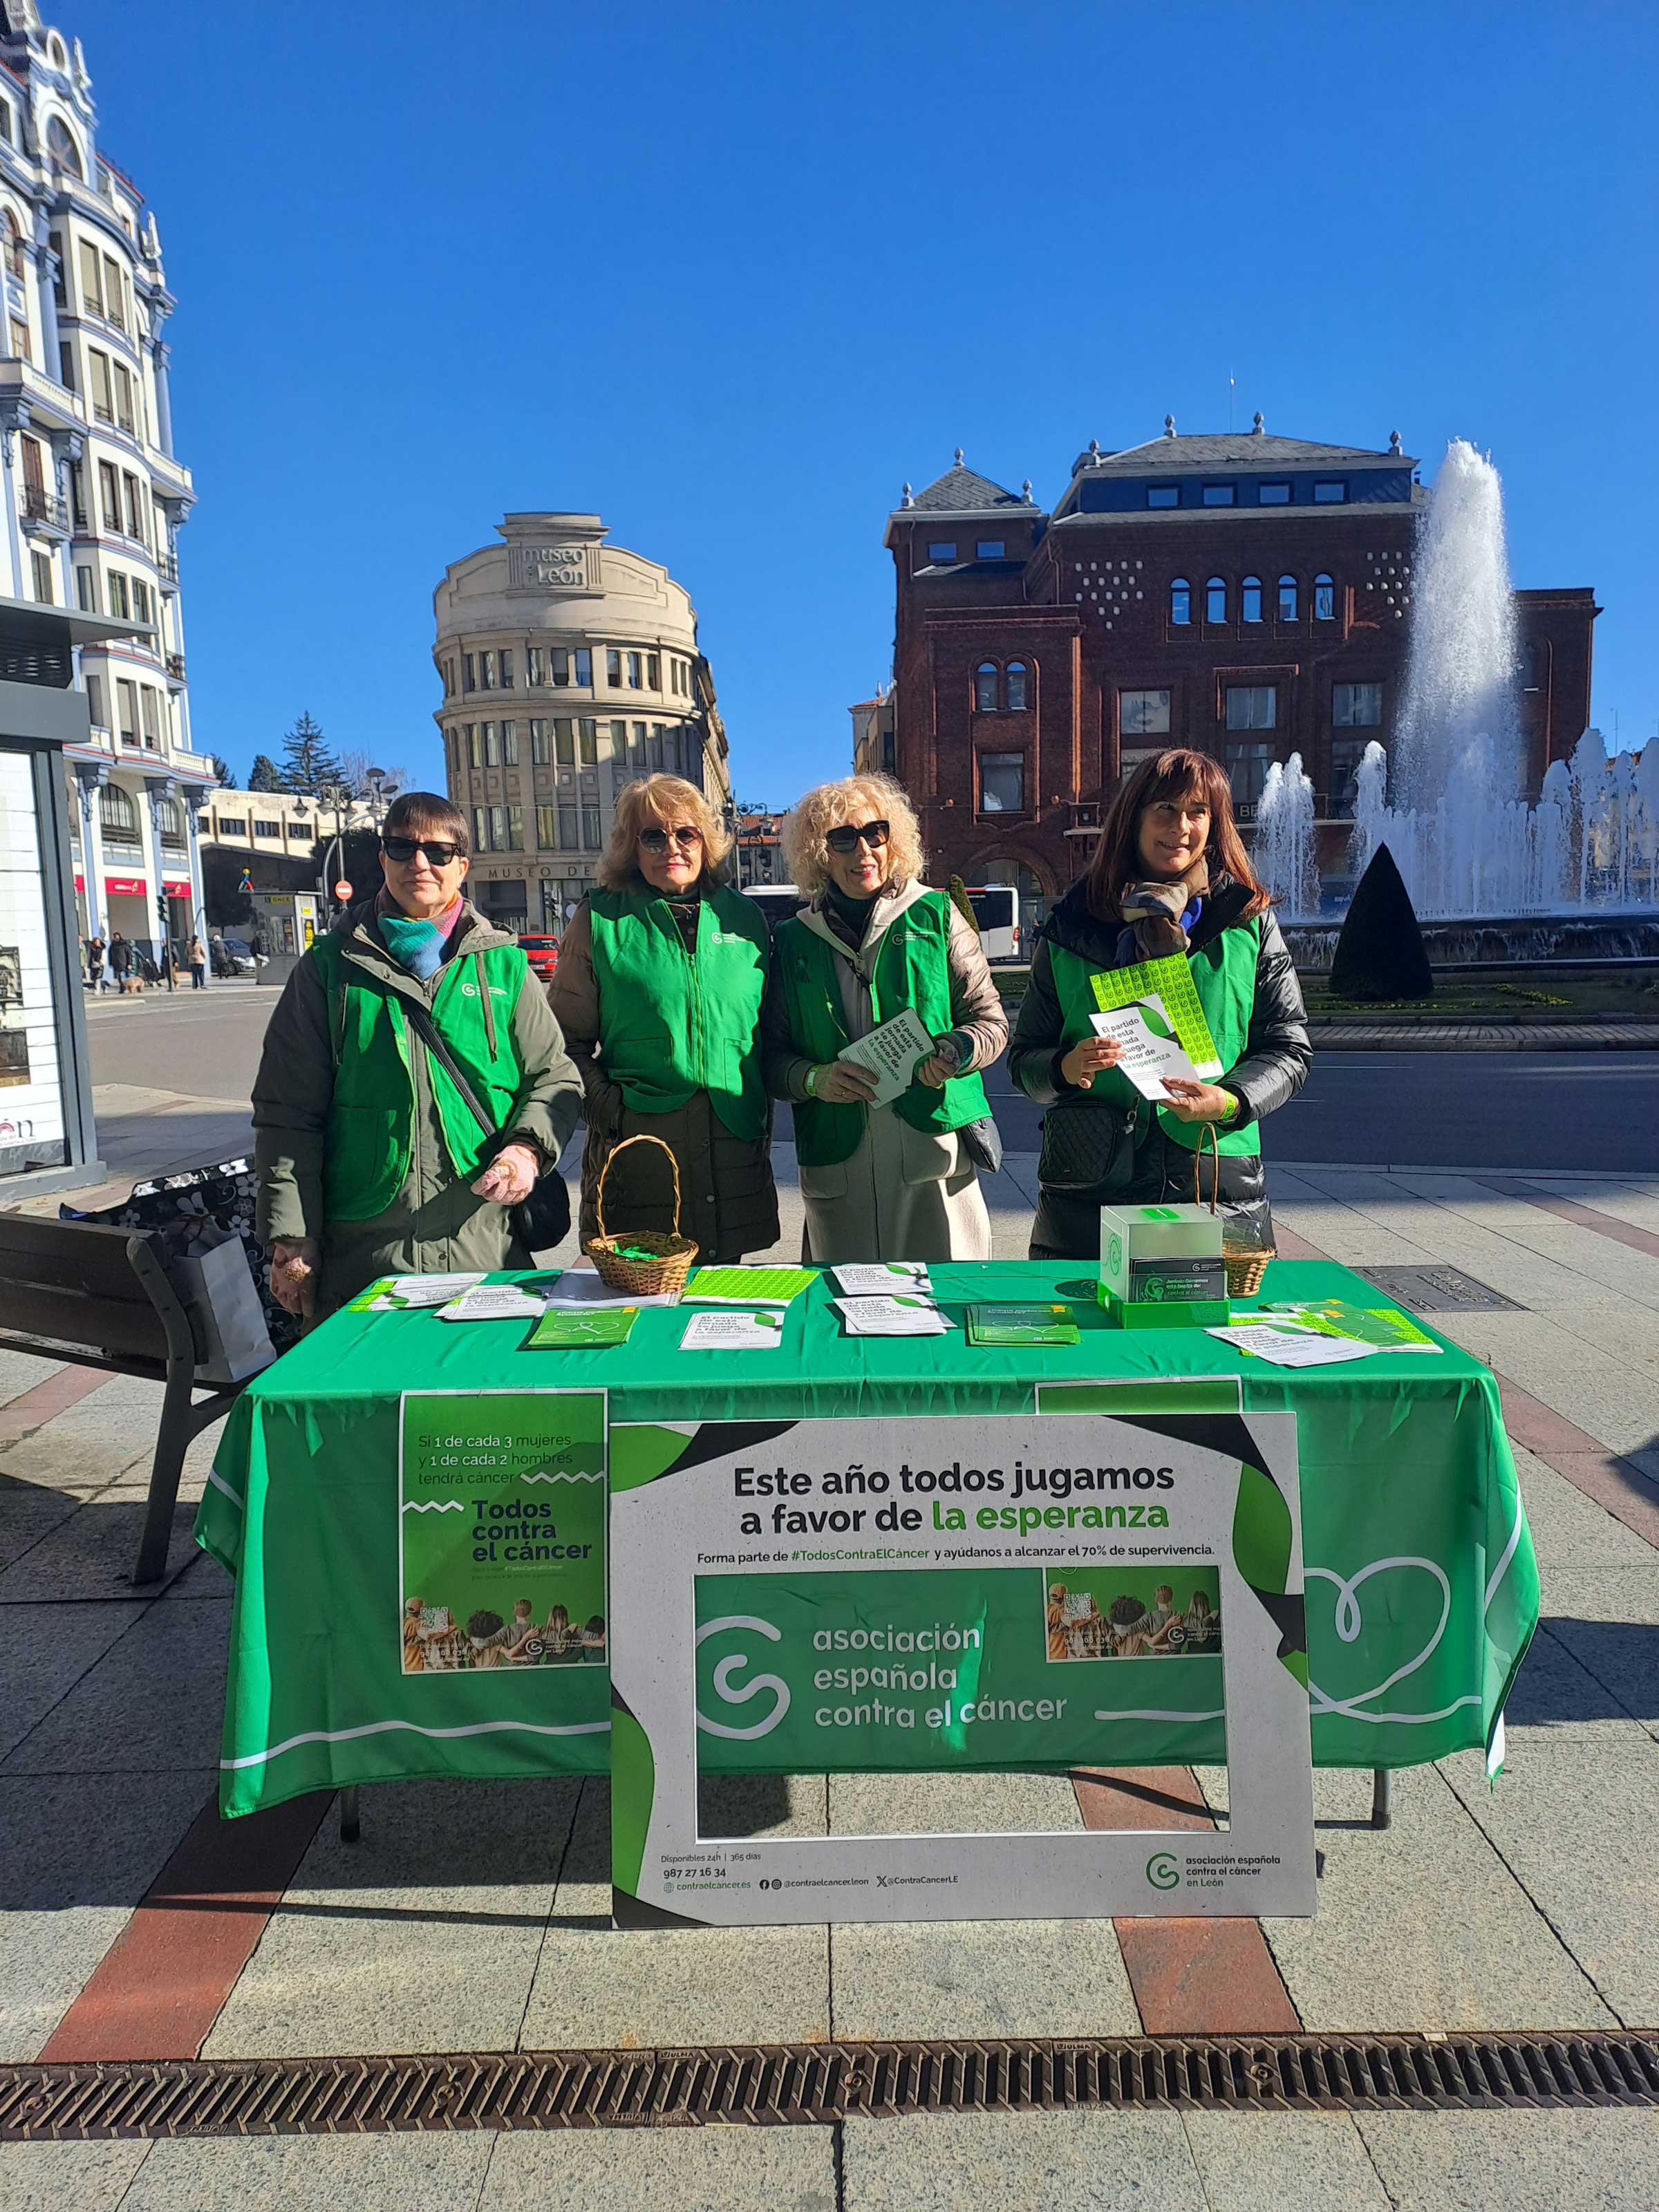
x=438 y=850
x=848 y=838
x=656 y=841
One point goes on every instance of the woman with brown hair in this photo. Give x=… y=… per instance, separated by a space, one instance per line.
x=661 y=975
x=1170 y=875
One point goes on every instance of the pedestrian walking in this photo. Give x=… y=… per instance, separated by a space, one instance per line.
x=198 y=962
x=169 y=965
x=120 y=960
x=96 y=964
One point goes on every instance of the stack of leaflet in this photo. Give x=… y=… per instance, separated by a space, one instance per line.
x=747 y=1286
x=401 y=1293
x=891 y=1299
x=579 y=1286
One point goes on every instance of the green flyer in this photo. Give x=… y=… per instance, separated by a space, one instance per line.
x=501 y=1526
x=1171 y=980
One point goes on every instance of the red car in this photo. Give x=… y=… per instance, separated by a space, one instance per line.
x=543 y=953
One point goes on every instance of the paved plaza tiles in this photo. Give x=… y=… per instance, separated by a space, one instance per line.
x=133 y=1923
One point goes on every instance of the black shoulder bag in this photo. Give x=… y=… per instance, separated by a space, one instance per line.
x=539 y=1221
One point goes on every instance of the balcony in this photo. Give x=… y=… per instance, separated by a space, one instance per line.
x=175 y=667
x=167 y=567
x=44 y=508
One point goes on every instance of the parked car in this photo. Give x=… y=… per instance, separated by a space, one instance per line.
x=542 y=950
x=232 y=956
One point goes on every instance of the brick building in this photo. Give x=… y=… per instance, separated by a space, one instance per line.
x=1244 y=593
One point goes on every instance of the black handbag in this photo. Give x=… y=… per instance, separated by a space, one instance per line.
x=539 y=1221
x=1088 y=1151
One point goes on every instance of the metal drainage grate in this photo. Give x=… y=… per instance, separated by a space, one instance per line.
x=807 y=2083
x=1439 y=1290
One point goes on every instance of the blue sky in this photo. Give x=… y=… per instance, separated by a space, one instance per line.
x=729 y=276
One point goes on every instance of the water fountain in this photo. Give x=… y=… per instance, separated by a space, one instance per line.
x=1479 y=860
x=1285 y=854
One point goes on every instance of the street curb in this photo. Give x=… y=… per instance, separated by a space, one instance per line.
x=1486 y=1036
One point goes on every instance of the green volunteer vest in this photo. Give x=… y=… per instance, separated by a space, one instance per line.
x=911 y=970
x=670 y=1026
x=1223 y=976
x=371 y=1117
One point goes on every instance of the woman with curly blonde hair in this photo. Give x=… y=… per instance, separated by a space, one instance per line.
x=662 y=973
x=881 y=1182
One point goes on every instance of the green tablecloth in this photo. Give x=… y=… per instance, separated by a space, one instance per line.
x=1422 y=1590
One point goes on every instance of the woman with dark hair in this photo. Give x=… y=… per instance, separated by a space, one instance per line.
x=1170 y=875
x=410 y=1013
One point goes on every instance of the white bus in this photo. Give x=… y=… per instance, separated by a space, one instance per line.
x=996 y=908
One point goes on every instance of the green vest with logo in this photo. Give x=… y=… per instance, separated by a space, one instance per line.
x=911 y=970
x=371 y=1117
x=670 y=1025
x=1223 y=976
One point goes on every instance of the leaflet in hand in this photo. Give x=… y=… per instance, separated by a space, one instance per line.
x=1291 y=1347
x=1151 y=1048
x=733 y=1332
x=882 y=1278
x=893 y=1052
x=1170 y=980
x=895 y=1316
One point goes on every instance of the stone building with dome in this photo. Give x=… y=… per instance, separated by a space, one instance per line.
x=1240 y=592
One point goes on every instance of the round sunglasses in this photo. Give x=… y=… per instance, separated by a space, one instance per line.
x=687 y=838
x=848 y=838
x=438 y=850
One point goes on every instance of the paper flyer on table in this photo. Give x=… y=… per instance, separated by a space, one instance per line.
x=1288 y=1347
x=892 y=1317
x=719 y=1331
x=747 y=1286
x=1150 y=1048
x=875 y=1279
x=892 y=1051
x=495 y=1302
x=579 y=1286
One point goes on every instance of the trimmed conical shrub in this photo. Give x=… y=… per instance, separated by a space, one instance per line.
x=956 y=891
x=1380 y=953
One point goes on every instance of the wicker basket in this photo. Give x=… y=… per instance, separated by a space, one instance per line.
x=671 y=1257
x=1245 y=1261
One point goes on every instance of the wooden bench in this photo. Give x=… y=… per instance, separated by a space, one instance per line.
x=93 y=1297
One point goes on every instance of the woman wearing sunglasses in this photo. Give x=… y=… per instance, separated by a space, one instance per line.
x=881 y=1182
x=1169 y=876
x=397 y=1035
x=658 y=988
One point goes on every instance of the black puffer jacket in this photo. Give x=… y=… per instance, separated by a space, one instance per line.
x=1097 y=1150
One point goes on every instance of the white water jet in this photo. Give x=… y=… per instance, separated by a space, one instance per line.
x=1285 y=852
x=1461 y=665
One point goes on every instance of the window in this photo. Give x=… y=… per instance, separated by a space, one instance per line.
x=1250 y=599
x=943 y=550
x=988 y=549
x=619 y=742
x=481 y=828
x=634 y=662
x=1002 y=783
x=515 y=828
x=61 y=150
x=636 y=758
x=1215 y=600
x=92 y=287
x=1356 y=705
x=135 y=506
x=591 y=839
x=5 y=123
x=123 y=396
x=103 y=400
x=558 y=663
x=271 y=831
x=118 y=815
x=985 y=688
x=141 y=606
x=1219 y=495
x=449 y=678
x=474 y=750
x=1014 y=687
x=126 y=710
x=510 y=744
x=568 y=828
x=547 y=827
x=653 y=672
x=66 y=365
x=109 y=494
x=1143 y=713
x=95 y=700
x=588 y=735
x=1272 y=494
x=1180 y=600
x=1330 y=495
x=230 y=825
x=613 y=667
x=492 y=745
x=120 y=603
x=469 y=672
x=1289 y=598
x=564 y=741
x=497 y=828
x=1252 y=706
x=20 y=341
x=1346 y=755
x=1247 y=771
x=113 y=304
x=540 y=744
x=12 y=244
x=584 y=668
x=41 y=566
x=506 y=661
x=86 y=591
x=1163 y=495
x=170 y=819
x=535 y=665
x=1533 y=680
x=1324 y=599
x=486 y=671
